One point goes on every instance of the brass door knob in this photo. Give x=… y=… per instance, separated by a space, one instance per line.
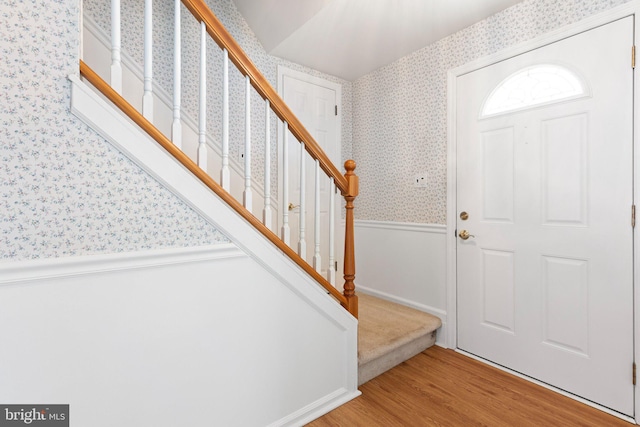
x=292 y=206
x=464 y=234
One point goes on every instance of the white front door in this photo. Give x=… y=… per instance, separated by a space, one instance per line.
x=315 y=106
x=545 y=275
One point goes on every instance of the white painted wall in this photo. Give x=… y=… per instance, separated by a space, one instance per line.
x=405 y=263
x=192 y=337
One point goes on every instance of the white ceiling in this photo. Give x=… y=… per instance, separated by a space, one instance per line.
x=350 y=38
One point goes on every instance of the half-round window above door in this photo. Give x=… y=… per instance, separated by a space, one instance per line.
x=534 y=86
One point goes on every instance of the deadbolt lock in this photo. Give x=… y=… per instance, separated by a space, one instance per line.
x=464 y=216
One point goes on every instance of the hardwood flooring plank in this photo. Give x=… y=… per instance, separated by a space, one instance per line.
x=440 y=387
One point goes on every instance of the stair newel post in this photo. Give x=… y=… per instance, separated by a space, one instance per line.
x=349 y=244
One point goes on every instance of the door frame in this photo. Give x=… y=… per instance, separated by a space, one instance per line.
x=283 y=72
x=629 y=9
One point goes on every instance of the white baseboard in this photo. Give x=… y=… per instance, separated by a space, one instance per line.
x=317 y=409
x=427 y=309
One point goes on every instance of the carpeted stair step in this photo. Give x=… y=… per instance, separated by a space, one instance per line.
x=389 y=334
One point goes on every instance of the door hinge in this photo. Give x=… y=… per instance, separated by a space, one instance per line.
x=634 y=373
x=633 y=56
x=633 y=216
x=336 y=110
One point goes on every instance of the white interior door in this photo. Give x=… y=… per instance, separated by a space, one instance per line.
x=315 y=106
x=545 y=279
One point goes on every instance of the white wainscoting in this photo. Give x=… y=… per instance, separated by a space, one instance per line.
x=190 y=336
x=404 y=263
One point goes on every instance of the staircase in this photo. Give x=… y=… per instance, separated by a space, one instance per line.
x=186 y=133
x=389 y=334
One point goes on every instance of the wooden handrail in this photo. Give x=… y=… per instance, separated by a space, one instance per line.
x=149 y=128
x=222 y=37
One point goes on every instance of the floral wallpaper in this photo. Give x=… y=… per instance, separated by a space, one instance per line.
x=132 y=12
x=63 y=189
x=400 y=111
x=66 y=191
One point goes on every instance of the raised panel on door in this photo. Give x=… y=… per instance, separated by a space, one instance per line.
x=498 y=285
x=564 y=170
x=497 y=175
x=565 y=304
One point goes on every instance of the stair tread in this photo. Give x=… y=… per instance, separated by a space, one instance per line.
x=384 y=326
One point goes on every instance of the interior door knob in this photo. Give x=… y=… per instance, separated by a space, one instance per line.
x=464 y=234
x=292 y=206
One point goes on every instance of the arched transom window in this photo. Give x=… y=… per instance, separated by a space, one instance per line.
x=534 y=86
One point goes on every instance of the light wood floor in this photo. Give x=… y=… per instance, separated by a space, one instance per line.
x=440 y=387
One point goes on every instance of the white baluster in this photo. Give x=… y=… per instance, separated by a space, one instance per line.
x=286 y=232
x=267 y=211
x=147 y=98
x=225 y=174
x=302 y=243
x=247 y=195
x=81 y=25
x=332 y=233
x=317 y=259
x=116 y=64
x=176 y=126
x=202 y=128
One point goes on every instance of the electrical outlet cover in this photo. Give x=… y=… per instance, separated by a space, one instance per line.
x=420 y=180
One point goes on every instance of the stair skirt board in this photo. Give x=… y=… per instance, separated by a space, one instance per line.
x=389 y=334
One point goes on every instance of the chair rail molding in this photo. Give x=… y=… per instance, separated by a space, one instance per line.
x=406 y=226
x=15 y=272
